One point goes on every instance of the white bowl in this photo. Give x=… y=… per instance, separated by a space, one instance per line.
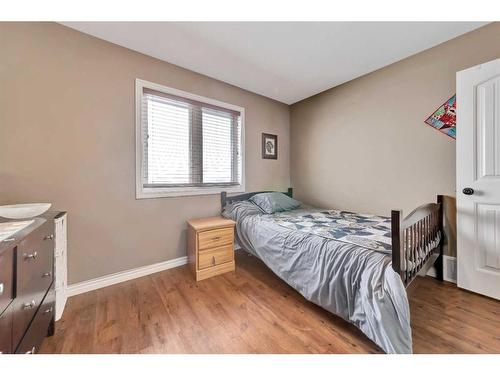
x=24 y=211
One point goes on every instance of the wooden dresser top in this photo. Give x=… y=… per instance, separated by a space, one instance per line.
x=19 y=236
x=210 y=223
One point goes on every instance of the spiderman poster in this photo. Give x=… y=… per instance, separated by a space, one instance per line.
x=444 y=119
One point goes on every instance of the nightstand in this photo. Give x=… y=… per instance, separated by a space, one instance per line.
x=210 y=246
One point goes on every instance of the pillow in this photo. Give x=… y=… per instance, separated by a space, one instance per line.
x=240 y=209
x=274 y=202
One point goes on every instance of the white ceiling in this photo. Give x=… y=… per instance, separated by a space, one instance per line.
x=286 y=61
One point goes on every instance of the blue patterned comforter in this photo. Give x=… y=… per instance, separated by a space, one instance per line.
x=367 y=231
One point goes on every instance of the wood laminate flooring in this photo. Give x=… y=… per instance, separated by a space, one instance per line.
x=252 y=311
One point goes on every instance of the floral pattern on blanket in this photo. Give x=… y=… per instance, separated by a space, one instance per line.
x=367 y=231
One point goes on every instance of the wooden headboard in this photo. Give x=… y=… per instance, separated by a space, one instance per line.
x=225 y=199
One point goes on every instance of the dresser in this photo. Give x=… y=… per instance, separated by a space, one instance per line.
x=27 y=293
x=210 y=246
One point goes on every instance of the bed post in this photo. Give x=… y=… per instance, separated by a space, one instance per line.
x=397 y=242
x=439 y=261
x=223 y=196
x=290 y=192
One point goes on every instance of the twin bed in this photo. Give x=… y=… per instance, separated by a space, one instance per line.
x=356 y=266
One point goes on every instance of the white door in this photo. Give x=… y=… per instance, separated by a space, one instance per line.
x=478 y=179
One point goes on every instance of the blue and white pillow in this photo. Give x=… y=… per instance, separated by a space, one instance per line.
x=274 y=202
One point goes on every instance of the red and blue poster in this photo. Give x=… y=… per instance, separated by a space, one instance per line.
x=445 y=119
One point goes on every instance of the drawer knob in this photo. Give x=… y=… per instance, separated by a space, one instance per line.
x=48 y=311
x=47 y=274
x=213 y=261
x=31 y=256
x=217 y=238
x=1 y=288
x=32 y=351
x=29 y=305
x=49 y=237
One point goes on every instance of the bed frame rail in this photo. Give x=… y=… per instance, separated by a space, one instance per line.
x=417 y=241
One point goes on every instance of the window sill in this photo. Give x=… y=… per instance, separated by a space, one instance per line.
x=149 y=193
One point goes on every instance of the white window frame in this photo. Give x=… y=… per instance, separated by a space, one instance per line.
x=179 y=191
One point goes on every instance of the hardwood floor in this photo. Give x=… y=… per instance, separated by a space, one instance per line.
x=253 y=311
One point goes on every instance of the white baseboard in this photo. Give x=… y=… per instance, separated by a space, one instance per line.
x=449 y=273
x=119 y=277
x=431 y=272
x=449 y=269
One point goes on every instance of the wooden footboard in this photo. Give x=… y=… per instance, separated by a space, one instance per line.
x=417 y=241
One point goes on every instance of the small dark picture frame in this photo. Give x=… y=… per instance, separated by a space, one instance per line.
x=269 y=146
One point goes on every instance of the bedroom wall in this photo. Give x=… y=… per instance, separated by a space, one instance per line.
x=67 y=136
x=363 y=146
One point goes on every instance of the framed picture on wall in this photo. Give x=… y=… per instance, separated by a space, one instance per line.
x=269 y=146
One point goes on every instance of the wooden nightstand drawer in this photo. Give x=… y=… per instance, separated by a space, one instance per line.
x=35 y=261
x=210 y=246
x=6 y=278
x=214 y=257
x=215 y=238
x=6 y=331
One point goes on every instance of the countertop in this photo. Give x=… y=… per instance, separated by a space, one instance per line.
x=19 y=236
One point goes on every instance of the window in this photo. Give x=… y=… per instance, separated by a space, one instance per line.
x=186 y=144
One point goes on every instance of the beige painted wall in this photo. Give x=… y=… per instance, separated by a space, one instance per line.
x=67 y=137
x=363 y=146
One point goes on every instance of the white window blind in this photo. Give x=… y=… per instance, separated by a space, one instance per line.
x=187 y=143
